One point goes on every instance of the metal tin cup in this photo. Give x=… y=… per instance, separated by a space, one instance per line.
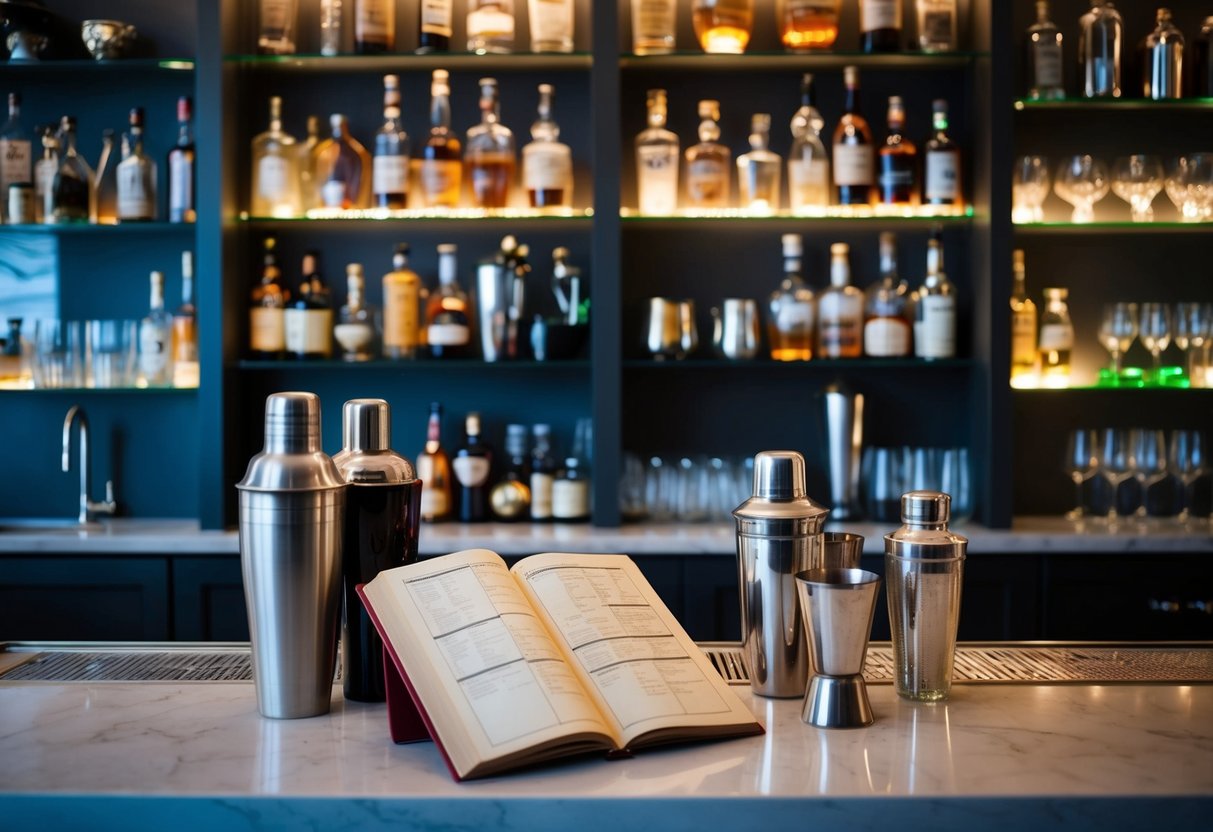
x=841 y=550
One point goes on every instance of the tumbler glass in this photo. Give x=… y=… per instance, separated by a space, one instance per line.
x=112 y=350
x=58 y=354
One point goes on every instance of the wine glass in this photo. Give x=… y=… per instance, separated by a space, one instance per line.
x=1081 y=462
x=1082 y=181
x=1188 y=460
x=1116 y=461
x=1193 y=328
x=1155 y=330
x=1117 y=330
x=1029 y=188
x=1190 y=187
x=1137 y=180
x=1150 y=462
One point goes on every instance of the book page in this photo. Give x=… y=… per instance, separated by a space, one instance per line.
x=635 y=658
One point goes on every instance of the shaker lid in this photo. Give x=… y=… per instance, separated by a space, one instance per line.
x=779 y=490
x=367 y=457
x=925 y=507
x=925 y=535
x=292 y=459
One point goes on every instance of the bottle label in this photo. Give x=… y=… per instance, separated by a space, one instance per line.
x=180 y=182
x=840 y=323
x=15 y=163
x=434 y=501
x=653 y=18
x=880 y=14
x=153 y=352
x=267 y=329
x=307 y=331
x=436 y=20
x=551 y=21
x=570 y=499
x=375 y=20
x=275 y=14
x=943 y=175
x=447 y=335
x=390 y=174
x=658 y=183
x=541 y=496
x=547 y=169
x=809 y=182
x=793 y=317
x=471 y=471
x=1056 y=337
x=1023 y=338
x=707 y=181
x=935 y=329
x=886 y=337
x=44 y=181
x=895 y=175
x=273 y=176
x=490 y=23
x=354 y=337
x=440 y=178
x=935 y=28
x=854 y=164
x=1047 y=61
x=135 y=199
x=401 y=313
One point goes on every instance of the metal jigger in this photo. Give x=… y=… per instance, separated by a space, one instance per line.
x=837 y=605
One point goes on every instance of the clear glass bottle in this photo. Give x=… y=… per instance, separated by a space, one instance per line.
x=657 y=161
x=490 y=156
x=653 y=26
x=390 y=167
x=551 y=25
x=886 y=314
x=448 y=312
x=840 y=310
x=936 y=25
x=401 y=307
x=308 y=320
x=1162 y=56
x=854 y=156
x=72 y=196
x=708 y=162
x=941 y=165
x=434 y=26
x=490 y=26
x=47 y=166
x=935 y=308
x=472 y=464
x=808 y=161
x=356 y=329
x=267 y=306
x=156 y=340
x=434 y=471
x=136 y=178
x=571 y=485
x=807 y=24
x=305 y=152
x=547 y=163
x=275 y=188
x=898 y=161
x=185 y=329
x=791 y=308
x=880 y=25
x=16 y=153
x=760 y=172
x=1043 y=60
x=441 y=169
x=1100 y=32
x=278 y=20
x=341 y=166
x=105 y=179
x=1056 y=339
x=180 y=166
x=1023 y=327
x=374 y=26
x=332 y=25
x=723 y=27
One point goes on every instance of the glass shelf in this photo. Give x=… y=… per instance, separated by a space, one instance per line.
x=789 y=61
x=6 y=390
x=1119 y=227
x=833 y=365
x=837 y=215
x=81 y=65
x=92 y=228
x=372 y=216
x=415 y=366
x=521 y=61
x=1081 y=104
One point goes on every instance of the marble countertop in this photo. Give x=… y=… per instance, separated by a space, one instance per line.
x=993 y=757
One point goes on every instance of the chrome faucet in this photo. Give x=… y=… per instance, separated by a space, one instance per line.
x=88 y=509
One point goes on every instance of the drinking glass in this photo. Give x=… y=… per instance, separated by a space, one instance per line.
x=1190 y=187
x=1081 y=463
x=1082 y=181
x=1193 y=328
x=1116 y=461
x=1117 y=330
x=632 y=487
x=58 y=354
x=956 y=481
x=1029 y=188
x=885 y=481
x=1188 y=461
x=1155 y=330
x=1137 y=180
x=112 y=346
x=1150 y=462
x=660 y=489
x=692 y=502
x=720 y=489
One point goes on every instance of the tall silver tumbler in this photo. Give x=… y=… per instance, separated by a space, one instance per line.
x=292 y=507
x=844 y=441
x=924 y=567
x=778 y=534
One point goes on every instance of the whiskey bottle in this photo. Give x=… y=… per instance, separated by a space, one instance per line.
x=185 y=329
x=760 y=172
x=886 y=325
x=551 y=25
x=510 y=498
x=390 y=167
x=935 y=308
x=490 y=152
x=309 y=319
x=880 y=25
x=356 y=329
x=472 y=464
x=277 y=27
x=374 y=26
x=898 y=161
x=723 y=26
x=571 y=485
x=547 y=163
x=808 y=162
x=275 y=181
x=1100 y=32
x=434 y=471
x=941 y=169
x=332 y=26
x=807 y=24
x=105 y=178
x=46 y=168
x=657 y=161
x=305 y=152
x=653 y=26
x=1162 y=55
x=155 y=340
x=267 y=306
x=448 y=314
x=72 y=193
x=1043 y=59
x=136 y=178
x=434 y=26
x=441 y=173
x=708 y=162
x=936 y=25
x=840 y=310
x=1023 y=326
x=791 y=307
x=854 y=160
x=1056 y=339
x=16 y=154
x=341 y=166
x=401 y=307
x=543 y=473
x=490 y=26
x=181 y=207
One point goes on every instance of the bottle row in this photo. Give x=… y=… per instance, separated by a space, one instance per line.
x=61 y=186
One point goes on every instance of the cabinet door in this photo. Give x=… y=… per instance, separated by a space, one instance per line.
x=208 y=600
x=711 y=608
x=96 y=598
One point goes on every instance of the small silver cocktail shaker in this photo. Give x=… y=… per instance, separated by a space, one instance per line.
x=924 y=566
x=779 y=533
x=292 y=507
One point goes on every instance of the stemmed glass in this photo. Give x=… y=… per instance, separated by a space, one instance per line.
x=1137 y=180
x=1117 y=330
x=1193 y=328
x=1155 y=330
x=1190 y=187
x=1029 y=188
x=1116 y=461
x=1150 y=462
x=1081 y=462
x=1082 y=181
x=1188 y=460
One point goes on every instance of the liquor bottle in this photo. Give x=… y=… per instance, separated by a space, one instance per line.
x=808 y=162
x=434 y=471
x=46 y=168
x=185 y=329
x=309 y=319
x=1100 y=31
x=760 y=172
x=551 y=25
x=880 y=25
x=653 y=26
x=571 y=485
x=1162 y=55
x=708 y=162
x=936 y=25
x=547 y=163
x=401 y=307
x=16 y=154
x=277 y=27
x=472 y=464
x=136 y=178
x=1023 y=327
x=807 y=24
x=1202 y=60
x=341 y=167
x=490 y=152
x=305 y=156
x=510 y=498
x=898 y=161
x=886 y=314
x=441 y=173
x=1056 y=339
x=181 y=207
x=331 y=27
x=543 y=473
x=390 y=168
x=156 y=340
x=941 y=169
x=374 y=26
x=657 y=161
x=105 y=178
x=275 y=189
x=723 y=27
x=448 y=313
x=935 y=308
x=434 y=28
x=790 y=323
x=72 y=194
x=490 y=26
x=267 y=306
x=1043 y=59
x=356 y=329
x=840 y=310
x=854 y=161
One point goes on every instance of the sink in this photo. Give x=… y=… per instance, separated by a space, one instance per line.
x=44 y=525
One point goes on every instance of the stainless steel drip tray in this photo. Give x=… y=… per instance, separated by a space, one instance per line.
x=980 y=663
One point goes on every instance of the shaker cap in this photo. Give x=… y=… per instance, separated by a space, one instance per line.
x=780 y=496
x=925 y=507
x=367 y=457
x=779 y=475
x=291 y=459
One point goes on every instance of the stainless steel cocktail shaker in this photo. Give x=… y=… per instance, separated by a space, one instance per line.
x=778 y=534
x=292 y=507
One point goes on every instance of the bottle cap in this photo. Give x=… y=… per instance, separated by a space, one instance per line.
x=850 y=76
x=366 y=425
x=292 y=459
x=779 y=476
x=792 y=245
x=925 y=507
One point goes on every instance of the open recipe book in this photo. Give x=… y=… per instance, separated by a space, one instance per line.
x=561 y=655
